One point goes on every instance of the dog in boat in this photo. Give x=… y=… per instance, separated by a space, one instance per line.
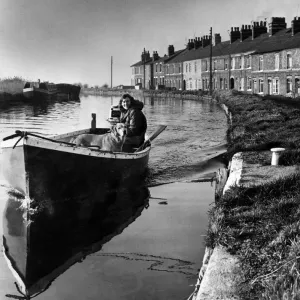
x=112 y=141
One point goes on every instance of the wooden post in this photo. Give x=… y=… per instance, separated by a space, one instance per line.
x=93 y=123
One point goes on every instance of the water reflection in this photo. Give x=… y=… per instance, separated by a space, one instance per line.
x=39 y=247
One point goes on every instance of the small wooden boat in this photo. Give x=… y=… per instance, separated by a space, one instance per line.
x=42 y=167
x=37 y=90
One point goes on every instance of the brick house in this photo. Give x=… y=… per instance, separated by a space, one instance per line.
x=276 y=63
x=169 y=70
x=256 y=59
x=142 y=71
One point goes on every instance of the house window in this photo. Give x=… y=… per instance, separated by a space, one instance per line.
x=249 y=83
x=297 y=85
x=289 y=61
x=225 y=84
x=195 y=67
x=215 y=65
x=186 y=68
x=260 y=63
x=225 y=64
x=156 y=68
x=159 y=67
x=276 y=86
x=238 y=62
x=242 y=62
x=221 y=84
x=205 y=65
x=261 y=85
x=248 y=61
x=277 y=61
x=190 y=67
x=289 y=85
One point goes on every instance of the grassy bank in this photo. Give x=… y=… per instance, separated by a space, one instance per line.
x=261 y=224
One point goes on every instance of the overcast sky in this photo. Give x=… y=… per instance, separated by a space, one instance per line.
x=73 y=40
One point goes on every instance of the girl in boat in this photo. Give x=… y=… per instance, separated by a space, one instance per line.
x=133 y=117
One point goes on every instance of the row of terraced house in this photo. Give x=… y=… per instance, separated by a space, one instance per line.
x=256 y=59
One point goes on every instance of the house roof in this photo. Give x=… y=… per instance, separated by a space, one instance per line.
x=160 y=60
x=281 y=40
x=141 y=63
x=264 y=43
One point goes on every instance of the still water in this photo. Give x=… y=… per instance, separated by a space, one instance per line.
x=150 y=250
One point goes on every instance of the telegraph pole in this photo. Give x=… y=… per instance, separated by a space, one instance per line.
x=111 y=72
x=210 y=63
x=144 y=62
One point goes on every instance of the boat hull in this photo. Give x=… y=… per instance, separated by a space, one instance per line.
x=37 y=93
x=47 y=171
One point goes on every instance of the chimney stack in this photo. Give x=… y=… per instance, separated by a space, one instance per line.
x=144 y=55
x=155 y=56
x=190 y=45
x=276 y=25
x=170 y=50
x=295 y=25
x=197 y=43
x=246 y=32
x=205 y=40
x=259 y=28
x=217 y=38
x=234 y=34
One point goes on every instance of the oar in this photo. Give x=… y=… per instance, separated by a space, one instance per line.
x=155 y=134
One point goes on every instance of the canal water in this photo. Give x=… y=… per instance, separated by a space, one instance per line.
x=150 y=250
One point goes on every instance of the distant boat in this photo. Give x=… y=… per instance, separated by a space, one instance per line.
x=39 y=89
x=70 y=91
x=42 y=90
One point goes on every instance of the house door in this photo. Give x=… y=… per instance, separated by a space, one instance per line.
x=269 y=86
x=297 y=86
x=231 y=83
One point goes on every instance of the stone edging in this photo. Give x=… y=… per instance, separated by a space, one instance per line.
x=219 y=254
x=200 y=292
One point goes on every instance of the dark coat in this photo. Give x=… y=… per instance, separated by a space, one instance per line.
x=134 y=119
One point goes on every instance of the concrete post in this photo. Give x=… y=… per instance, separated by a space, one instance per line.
x=275 y=155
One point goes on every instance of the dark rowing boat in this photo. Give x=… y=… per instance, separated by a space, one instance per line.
x=43 y=168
